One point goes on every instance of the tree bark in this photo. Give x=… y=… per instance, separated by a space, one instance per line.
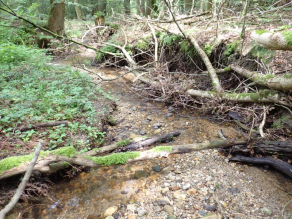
x=78 y=10
x=148 y=8
x=102 y=6
x=138 y=7
x=143 y=7
x=127 y=7
x=56 y=22
x=188 y=6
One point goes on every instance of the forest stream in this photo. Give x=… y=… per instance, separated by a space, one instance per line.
x=181 y=186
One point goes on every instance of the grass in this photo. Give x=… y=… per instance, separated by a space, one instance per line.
x=32 y=91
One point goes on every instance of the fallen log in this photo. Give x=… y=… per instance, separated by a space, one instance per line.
x=277 y=164
x=275 y=147
x=71 y=156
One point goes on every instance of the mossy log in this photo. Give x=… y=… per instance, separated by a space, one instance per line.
x=274 y=41
x=263 y=96
x=45 y=163
x=275 y=82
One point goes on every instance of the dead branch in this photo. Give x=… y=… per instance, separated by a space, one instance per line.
x=42 y=125
x=277 y=164
x=23 y=183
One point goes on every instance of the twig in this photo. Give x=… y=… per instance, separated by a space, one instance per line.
x=263 y=123
x=23 y=183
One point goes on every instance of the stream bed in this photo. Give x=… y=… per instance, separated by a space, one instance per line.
x=181 y=186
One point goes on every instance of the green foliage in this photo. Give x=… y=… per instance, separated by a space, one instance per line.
x=208 y=49
x=281 y=122
x=123 y=142
x=231 y=48
x=113 y=26
x=99 y=14
x=117 y=158
x=107 y=48
x=142 y=44
x=187 y=48
x=262 y=53
x=288 y=37
x=42 y=93
x=167 y=39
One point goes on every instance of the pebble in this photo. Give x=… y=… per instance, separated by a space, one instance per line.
x=140 y=173
x=187 y=186
x=171 y=217
x=110 y=211
x=162 y=201
x=142 y=212
x=168 y=209
x=203 y=213
x=143 y=132
x=267 y=211
x=109 y=217
x=132 y=207
x=179 y=195
x=210 y=208
x=157 y=125
x=164 y=190
x=165 y=170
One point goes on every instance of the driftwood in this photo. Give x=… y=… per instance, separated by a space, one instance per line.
x=41 y=125
x=43 y=164
x=277 y=164
x=23 y=183
x=280 y=147
x=146 y=142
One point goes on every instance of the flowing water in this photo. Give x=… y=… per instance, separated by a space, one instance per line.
x=90 y=193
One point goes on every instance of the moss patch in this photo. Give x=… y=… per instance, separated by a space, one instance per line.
x=288 y=37
x=117 y=158
x=260 y=32
x=123 y=142
x=11 y=162
x=162 y=148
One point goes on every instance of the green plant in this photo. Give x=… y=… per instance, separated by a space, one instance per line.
x=123 y=142
x=208 y=49
x=231 y=48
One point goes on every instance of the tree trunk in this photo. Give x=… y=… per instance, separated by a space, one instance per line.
x=209 y=5
x=102 y=6
x=148 y=8
x=138 y=7
x=56 y=22
x=143 y=7
x=127 y=7
x=188 y=6
x=78 y=10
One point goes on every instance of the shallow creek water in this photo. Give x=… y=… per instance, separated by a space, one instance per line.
x=90 y=193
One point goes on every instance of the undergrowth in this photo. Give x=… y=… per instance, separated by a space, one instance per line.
x=32 y=92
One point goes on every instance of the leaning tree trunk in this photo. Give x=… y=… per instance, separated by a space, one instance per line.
x=148 y=8
x=143 y=7
x=78 y=10
x=56 y=22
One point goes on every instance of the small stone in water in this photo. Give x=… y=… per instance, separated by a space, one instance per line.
x=203 y=213
x=109 y=217
x=171 y=217
x=156 y=168
x=210 y=208
x=187 y=186
x=140 y=173
x=142 y=132
x=267 y=211
x=116 y=215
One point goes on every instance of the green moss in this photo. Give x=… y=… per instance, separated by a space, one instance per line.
x=113 y=26
x=287 y=76
x=288 y=37
x=262 y=53
x=231 y=48
x=12 y=162
x=117 y=158
x=142 y=44
x=227 y=69
x=123 y=142
x=260 y=32
x=111 y=120
x=162 y=148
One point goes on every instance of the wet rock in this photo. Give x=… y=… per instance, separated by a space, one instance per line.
x=157 y=131
x=109 y=217
x=162 y=201
x=156 y=168
x=174 y=188
x=110 y=211
x=267 y=211
x=140 y=173
x=186 y=186
x=177 y=171
x=170 y=109
x=169 y=115
x=210 y=208
x=124 y=192
x=148 y=119
x=116 y=215
x=157 y=125
x=142 y=132
x=179 y=195
x=168 y=209
x=171 y=217
x=203 y=213
x=165 y=170
x=233 y=190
